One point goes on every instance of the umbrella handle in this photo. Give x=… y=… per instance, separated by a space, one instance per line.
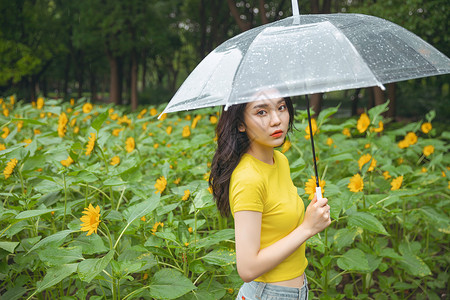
x=318 y=193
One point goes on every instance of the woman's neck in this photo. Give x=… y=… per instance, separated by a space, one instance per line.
x=265 y=155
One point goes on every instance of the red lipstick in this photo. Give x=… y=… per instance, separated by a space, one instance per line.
x=277 y=133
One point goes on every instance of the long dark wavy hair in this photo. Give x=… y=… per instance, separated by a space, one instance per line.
x=231 y=145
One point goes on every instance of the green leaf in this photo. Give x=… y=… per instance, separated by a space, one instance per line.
x=54 y=239
x=143 y=208
x=92 y=244
x=326 y=113
x=216 y=238
x=414 y=265
x=88 y=269
x=345 y=237
x=169 y=284
x=220 y=257
x=376 y=111
x=202 y=200
x=8 y=246
x=55 y=275
x=355 y=260
x=59 y=256
x=367 y=221
x=98 y=122
x=31 y=121
x=34 y=213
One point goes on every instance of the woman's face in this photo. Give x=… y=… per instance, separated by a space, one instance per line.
x=266 y=123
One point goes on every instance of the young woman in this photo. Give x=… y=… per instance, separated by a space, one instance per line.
x=252 y=181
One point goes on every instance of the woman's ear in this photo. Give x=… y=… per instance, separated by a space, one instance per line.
x=241 y=127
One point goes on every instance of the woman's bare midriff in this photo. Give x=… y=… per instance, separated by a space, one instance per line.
x=296 y=282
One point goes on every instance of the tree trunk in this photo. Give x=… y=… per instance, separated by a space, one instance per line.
x=93 y=85
x=378 y=96
x=326 y=6
x=114 y=90
x=66 y=77
x=243 y=25
x=79 y=71
x=120 y=80
x=370 y=100
x=32 y=87
x=354 y=99
x=44 y=87
x=134 y=75
x=316 y=103
x=144 y=71
x=391 y=90
x=262 y=12
x=315 y=6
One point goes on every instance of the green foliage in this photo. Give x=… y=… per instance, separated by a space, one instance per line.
x=160 y=235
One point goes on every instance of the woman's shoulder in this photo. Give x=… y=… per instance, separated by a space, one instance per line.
x=280 y=156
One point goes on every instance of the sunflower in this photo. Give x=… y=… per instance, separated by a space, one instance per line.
x=169 y=130
x=160 y=184
x=428 y=150
x=426 y=127
x=363 y=123
x=411 y=138
x=10 y=167
x=386 y=175
x=40 y=103
x=130 y=144
x=310 y=186
x=153 y=112
x=5 y=132
x=396 y=183
x=91 y=144
x=286 y=146
x=186 y=131
x=67 y=162
x=87 y=107
x=155 y=227
x=346 y=132
x=365 y=159
x=213 y=119
x=314 y=129
x=91 y=219
x=380 y=127
x=403 y=144
x=115 y=160
x=62 y=124
x=195 y=121
x=187 y=193
x=356 y=184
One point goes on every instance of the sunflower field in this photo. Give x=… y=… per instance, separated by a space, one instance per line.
x=97 y=203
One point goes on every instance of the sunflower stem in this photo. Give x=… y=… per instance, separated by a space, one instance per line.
x=108 y=235
x=65 y=201
x=107 y=172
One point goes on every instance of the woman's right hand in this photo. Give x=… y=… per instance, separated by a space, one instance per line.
x=317 y=216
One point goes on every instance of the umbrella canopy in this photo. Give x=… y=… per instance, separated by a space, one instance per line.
x=306 y=54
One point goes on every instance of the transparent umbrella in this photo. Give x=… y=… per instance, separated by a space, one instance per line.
x=306 y=54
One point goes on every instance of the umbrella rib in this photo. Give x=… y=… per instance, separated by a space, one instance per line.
x=379 y=84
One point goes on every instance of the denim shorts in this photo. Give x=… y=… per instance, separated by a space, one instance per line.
x=265 y=291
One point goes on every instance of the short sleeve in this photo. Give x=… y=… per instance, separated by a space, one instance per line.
x=246 y=193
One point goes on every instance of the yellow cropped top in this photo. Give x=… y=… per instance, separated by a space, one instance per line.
x=257 y=186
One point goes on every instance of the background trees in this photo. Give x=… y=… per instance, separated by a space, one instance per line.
x=136 y=52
